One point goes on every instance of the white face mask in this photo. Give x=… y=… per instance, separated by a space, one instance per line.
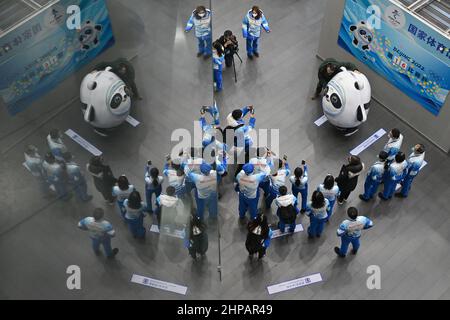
x=202 y=14
x=254 y=15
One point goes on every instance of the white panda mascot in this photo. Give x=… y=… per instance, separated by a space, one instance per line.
x=106 y=100
x=346 y=100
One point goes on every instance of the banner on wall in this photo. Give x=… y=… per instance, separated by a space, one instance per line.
x=39 y=54
x=400 y=47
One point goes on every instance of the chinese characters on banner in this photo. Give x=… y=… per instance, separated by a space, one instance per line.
x=39 y=54
x=410 y=54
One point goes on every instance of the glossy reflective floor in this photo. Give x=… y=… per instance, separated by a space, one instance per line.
x=39 y=238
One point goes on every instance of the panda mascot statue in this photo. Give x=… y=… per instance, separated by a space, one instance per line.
x=105 y=99
x=346 y=101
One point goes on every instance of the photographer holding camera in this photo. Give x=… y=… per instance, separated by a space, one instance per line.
x=230 y=43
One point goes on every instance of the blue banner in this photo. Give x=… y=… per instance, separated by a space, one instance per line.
x=400 y=47
x=39 y=54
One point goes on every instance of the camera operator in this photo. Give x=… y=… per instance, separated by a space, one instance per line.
x=230 y=43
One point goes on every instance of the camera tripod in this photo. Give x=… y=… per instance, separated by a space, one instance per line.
x=234 y=64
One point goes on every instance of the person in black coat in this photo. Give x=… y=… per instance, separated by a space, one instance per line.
x=258 y=237
x=230 y=44
x=196 y=238
x=348 y=177
x=104 y=179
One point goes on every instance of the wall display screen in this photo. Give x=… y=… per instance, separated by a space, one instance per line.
x=39 y=54
x=400 y=47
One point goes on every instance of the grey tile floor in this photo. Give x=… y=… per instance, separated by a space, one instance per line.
x=39 y=238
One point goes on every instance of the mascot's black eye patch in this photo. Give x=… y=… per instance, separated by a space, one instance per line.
x=357 y=86
x=336 y=101
x=116 y=101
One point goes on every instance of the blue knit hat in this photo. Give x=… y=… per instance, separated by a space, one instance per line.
x=205 y=168
x=248 y=168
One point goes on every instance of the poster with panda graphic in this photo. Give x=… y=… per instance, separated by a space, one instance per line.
x=39 y=54
x=406 y=51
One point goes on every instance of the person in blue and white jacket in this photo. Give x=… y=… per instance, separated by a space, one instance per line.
x=247 y=184
x=253 y=21
x=415 y=162
x=34 y=164
x=263 y=162
x=153 y=184
x=205 y=190
x=121 y=192
x=277 y=179
x=394 y=144
x=56 y=145
x=287 y=209
x=209 y=129
x=75 y=178
x=374 y=177
x=299 y=183
x=100 y=231
x=330 y=191
x=350 y=232
x=395 y=174
x=135 y=214
x=201 y=20
x=242 y=131
x=175 y=177
x=218 y=62
x=192 y=160
x=317 y=211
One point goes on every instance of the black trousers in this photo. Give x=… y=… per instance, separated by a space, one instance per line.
x=229 y=60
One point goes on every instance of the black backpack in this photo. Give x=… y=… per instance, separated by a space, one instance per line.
x=288 y=214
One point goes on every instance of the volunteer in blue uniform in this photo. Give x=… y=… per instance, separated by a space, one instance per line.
x=205 y=190
x=121 y=192
x=394 y=175
x=317 y=211
x=153 y=184
x=394 y=144
x=201 y=20
x=209 y=129
x=278 y=179
x=374 y=177
x=75 y=178
x=330 y=191
x=175 y=177
x=191 y=163
x=263 y=162
x=56 y=144
x=287 y=210
x=350 y=232
x=299 y=183
x=56 y=176
x=218 y=62
x=100 y=231
x=135 y=212
x=34 y=163
x=415 y=162
x=169 y=206
x=253 y=21
x=236 y=121
x=248 y=187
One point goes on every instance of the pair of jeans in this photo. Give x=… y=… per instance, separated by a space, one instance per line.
x=345 y=242
x=252 y=45
x=105 y=242
x=205 y=45
x=148 y=196
x=303 y=192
